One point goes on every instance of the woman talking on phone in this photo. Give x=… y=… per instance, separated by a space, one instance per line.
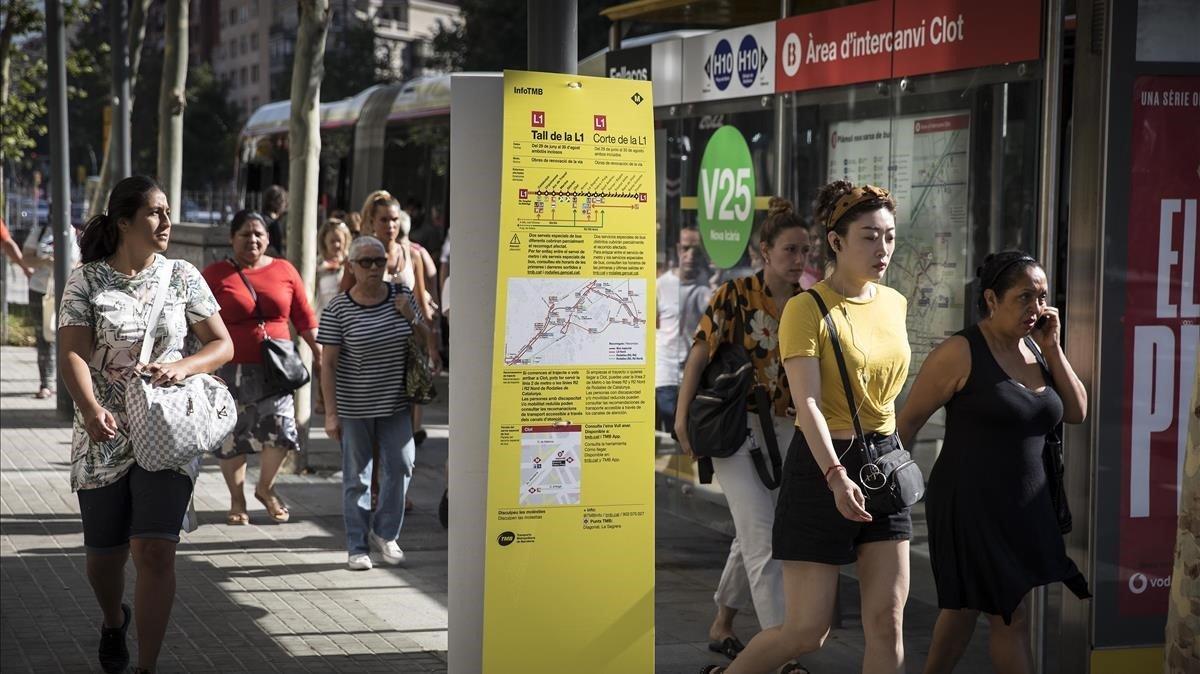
x=993 y=530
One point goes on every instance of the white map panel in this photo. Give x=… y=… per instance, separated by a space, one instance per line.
x=551 y=458
x=923 y=160
x=572 y=321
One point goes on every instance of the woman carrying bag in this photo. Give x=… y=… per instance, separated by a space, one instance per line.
x=259 y=296
x=367 y=332
x=745 y=313
x=102 y=326
x=822 y=519
x=994 y=533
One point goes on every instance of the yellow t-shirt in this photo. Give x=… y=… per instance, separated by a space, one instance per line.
x=874 y=343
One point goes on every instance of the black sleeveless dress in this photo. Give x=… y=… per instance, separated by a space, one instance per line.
x=993 y=532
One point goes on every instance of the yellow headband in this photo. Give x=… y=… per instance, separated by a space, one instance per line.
x=856 y=197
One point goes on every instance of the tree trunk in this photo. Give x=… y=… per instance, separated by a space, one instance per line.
x=137 y=35
x=304 y=148
x=1182 y=649
x=171 y=102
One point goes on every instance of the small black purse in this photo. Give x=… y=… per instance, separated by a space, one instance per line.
x=1052 y=454
x=283 y=371
x=890 y=481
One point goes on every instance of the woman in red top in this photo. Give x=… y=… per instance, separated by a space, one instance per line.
x=265 y=424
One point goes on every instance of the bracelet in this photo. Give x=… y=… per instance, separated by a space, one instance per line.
x=836 y=466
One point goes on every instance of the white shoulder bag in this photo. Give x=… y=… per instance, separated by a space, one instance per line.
x=169 y=426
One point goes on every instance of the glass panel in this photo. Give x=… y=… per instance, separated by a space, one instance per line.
x=959 y=153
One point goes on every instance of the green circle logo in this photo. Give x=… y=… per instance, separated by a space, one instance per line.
x=726 y=197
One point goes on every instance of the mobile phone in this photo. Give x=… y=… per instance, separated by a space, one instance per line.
x=1041 y=322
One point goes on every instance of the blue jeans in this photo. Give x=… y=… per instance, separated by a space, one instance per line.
x=397 y=453
x=666 y=398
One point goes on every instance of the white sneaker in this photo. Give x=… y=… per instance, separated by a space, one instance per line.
x=389 y=550
x=359 y=562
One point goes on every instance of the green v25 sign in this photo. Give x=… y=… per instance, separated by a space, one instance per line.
x=726 y=197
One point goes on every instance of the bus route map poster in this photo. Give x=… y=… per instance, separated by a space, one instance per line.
x=569 y=569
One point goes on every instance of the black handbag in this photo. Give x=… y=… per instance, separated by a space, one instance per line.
x=890 y=481
x=1052 y=455
x=283 y=371
x=717 y=413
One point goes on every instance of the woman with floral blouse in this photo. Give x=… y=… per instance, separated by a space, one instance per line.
x=751 y=577
x=102 y=324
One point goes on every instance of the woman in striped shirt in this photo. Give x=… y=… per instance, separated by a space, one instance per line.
x=365 y=333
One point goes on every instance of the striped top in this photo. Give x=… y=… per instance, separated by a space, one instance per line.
x=369 y=380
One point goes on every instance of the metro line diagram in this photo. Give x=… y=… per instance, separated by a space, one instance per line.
x=575 y=322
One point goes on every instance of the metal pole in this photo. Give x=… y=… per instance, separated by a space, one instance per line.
x=553 y=36
x=60 y=205
x=1047 y=247
x=1047 y=242
x=122 y=162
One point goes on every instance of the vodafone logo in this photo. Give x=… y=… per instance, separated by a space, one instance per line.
x=1140 y=582
x=791 y=54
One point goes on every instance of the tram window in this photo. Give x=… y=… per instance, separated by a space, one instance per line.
x=416 y=169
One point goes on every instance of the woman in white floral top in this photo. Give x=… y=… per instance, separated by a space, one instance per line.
x=750 y=307
x=102 y=323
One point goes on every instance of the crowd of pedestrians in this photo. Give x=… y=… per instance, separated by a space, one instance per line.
x=832 y=356
x=825 y=340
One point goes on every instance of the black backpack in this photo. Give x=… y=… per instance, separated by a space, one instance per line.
x=717 y=414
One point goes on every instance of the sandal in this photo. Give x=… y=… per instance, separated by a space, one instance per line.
x=712 y=669
x=237 y=519
x=279 y=513
x=794 y=667
x=730 y=646
x=43 y=393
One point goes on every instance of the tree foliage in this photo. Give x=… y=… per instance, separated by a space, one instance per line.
x=23 y=74
x=210 y=131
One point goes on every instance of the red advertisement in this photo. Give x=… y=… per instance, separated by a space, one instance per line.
x=1162 y=330
x=884 y=39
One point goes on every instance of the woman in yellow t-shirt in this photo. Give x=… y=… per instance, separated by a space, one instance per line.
x=821 y=521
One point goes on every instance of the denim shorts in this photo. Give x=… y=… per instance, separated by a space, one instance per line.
x=142 y=504
x=808 y=526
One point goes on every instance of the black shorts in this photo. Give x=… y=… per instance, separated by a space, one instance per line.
x=142 y=504
x=808 y=526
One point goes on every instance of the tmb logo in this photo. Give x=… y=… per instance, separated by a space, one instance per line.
x=506 y=538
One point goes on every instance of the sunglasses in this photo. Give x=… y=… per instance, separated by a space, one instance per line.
x=368 y=262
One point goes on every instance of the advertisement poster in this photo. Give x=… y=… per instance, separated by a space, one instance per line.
x=1161 y=332
x=569 y=573
x=923 y=161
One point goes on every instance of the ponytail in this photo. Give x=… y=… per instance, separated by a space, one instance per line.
x=99 y=239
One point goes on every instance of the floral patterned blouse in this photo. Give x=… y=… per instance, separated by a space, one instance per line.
x=116 y=307
x=749 y=300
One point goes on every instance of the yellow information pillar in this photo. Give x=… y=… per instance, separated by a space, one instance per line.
x=569 y=579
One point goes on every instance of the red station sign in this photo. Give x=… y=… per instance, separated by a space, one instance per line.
x=898 y=38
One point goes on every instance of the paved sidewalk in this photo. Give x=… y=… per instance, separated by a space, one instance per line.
x=267 y=597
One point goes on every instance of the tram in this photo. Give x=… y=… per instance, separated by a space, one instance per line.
x=395 y=137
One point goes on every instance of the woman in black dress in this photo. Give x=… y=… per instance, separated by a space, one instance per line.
x=993 y=532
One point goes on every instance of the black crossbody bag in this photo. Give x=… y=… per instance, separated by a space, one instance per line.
x=283 y=371
x=717 y=414
x=1052 y=454
x=891 y=481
